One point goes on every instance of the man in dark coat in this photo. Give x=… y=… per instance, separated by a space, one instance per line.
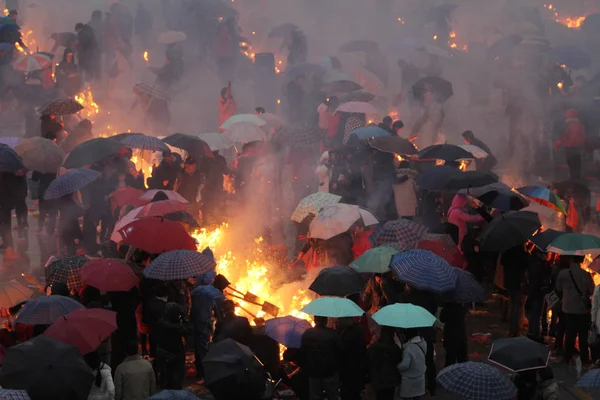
x=164 y=176
x=455 y=333
x=488 y=162
x=515 y=262
x=352 y=359
x=88 y=51
x=170 y=351
x=231 y=326
x=189 y=182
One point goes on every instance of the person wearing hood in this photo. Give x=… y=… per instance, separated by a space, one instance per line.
x=412 y=368
x=68 y=77
x=573 y=140
x=458 y=215
x=170 y=350
x=487 y=163
x=164 y=176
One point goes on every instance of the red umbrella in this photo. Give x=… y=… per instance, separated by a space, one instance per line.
x=157 y=235
x=161 y=208
x=442 y=248
x=124 y=196
x=109 y=275
x=84 y=328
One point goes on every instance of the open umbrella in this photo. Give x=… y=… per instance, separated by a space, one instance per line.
x=125 y=196
x=509 y=230
x=374 y=261
x=9 y=160
x=477 y=381
x=313 y=204
x=503 y=200
x=332 y=307
x=170 y=37
x=40 y=154
x=245 y=132
x=519 y=354
x=543 y=239
x=66 y=270
x=333 y=220
x=575 y=244
x=339 y=82
x=156 y=235
x=393 y=144
x=70 y=182
x=144 y=143
x=154 y=90
x=446 y=152
x=543 y=196
x=31 y=62
x=109 y=275
x=590 y=379
x=403 y=315
x=183 y=217
x=298 y=135
x=179 y=264
x=13 y=293
x=358 y=95
x=61 y=107
x=477 y=152
x=255 y=119
x=571 y=56
x=367 y=217
x=45 y=310
x=273 y=122
x=216 y=141
x=398 y=231
x=92 y=151
x=358 y=107
x=283 y=30
x=440 y=247
x=161 y=208
x=9 y=394
x=149 y=195
x=467 y=290
x=438 y=86
x=192 y=144
x=448 y=179
x=174 y=395
x=84 y=328
x=368 y=132
x=287 y=330
x=10 y=141
x=503 y=46
x=424 y=270
x=337 y=281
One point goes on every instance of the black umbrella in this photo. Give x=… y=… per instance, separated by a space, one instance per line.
x=92 y=151
x=358 y=95
x=393 y=144
x=183 y=216
x=503 y=46
x=543 y=239
x=192 y=144
x=359 y=45
x=448 y=179
x=441 y=87
x=519 y=354
x=9 y=160
x=446 y=152
x=509 y=230
x=503 y=200
x=47 y=369
x=338 y=281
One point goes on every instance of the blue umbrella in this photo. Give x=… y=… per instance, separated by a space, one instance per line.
x=174 y=395
x=9 y=394
x=571 y=56
x=70 y=182
x=287 y=330
x=477 y=381
x=45 y=310
x=179 y=264
x=10 y=141
x=367 y=132
x=467 y=290
x=9 y=160
x=424 y=270
x=590 y=380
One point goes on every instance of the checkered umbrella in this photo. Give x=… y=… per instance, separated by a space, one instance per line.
x=467 y=290
x=313 y=204
x=66 y=270
x=8 y=394
x=179 y=264
x=477 y=381
x=143 y=142
x=45 y=310
x=424 y=270
x=61 y=107
x=70 y=182
x=590 y=380
x=298 y=135
x=156 y=91
x=399 y=231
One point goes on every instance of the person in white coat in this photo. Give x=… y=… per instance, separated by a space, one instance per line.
x=412 y=368
x=103 y=387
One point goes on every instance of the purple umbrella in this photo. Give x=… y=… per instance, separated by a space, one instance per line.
x=287 y=330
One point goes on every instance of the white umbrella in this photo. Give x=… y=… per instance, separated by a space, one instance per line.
x=333 y=220
x=245 y=132
x=357 y=107
x=170 y=37
x=272 y=121
x=216 y=141
x=368 y=218
x=477 y=152
x=254 y=119
x=171 y=195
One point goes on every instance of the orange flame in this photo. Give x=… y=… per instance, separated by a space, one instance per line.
x=146 y=55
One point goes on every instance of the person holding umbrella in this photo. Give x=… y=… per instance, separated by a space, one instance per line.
x=413 y=365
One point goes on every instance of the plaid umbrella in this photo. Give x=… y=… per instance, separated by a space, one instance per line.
x=45 y=310
x=477 y=381
x=467 y=290
x=61 y=107
x=424 y=270
x=519 y=354
x=154 y=90
x=32 y=62
x=143 y=142
x=333 y=220
x=338 y=281
x=13 y=293
x=70 y=182
x=10 y=141
x=174 y=395
x=298 y=135
x=313 y=204
x=590 y=380
x=9 y=394
x=66 y=270
x=92 y=151
x=398 y=231
x=287 y=330
x=179 y=264
x=9 y=160
x=40 y=154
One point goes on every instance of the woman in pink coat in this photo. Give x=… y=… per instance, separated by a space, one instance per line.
x=458 y=216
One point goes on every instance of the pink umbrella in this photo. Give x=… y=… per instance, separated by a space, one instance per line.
x=149 y=195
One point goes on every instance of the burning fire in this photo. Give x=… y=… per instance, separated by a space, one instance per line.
x=569 y=22
x=463 y=165
x=86 y=99
x=146 y=56
x=586 y=262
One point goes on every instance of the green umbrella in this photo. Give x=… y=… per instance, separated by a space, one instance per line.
x=92 y=151
x=375 y=261
x=575 y=244
x=404 y=315
x=334 y=307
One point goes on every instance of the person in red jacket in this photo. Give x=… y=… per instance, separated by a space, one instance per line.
x=573 y=140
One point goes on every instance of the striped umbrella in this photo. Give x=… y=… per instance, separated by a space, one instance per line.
x=45 y=310
x=70 y=182
x=179 y=264
x=32 y=62
x=424 y=270
x=467 y=290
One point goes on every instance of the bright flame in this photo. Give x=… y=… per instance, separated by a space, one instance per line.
x=434 y=37
x=586 y=262
x=6 y=12
x=559 y=85
x=401 y=20
x=452 y=35
x=146 y=55
x=399 y=157
x=572 y=22
x=86 y=99
x=463 y=165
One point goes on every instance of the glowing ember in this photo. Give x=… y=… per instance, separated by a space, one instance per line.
x=572 y=22
x=463 y=165
x=586 y=262
x=434 y=37
x=401 y=20
x=86 y=99
x=559 y=85
x=146 y=55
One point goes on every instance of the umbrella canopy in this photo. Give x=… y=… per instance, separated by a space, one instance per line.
x=358 y=107
x=374 y=261
x=143 y=142
x=358 y=95
x=192 y=144
x=543 y=196
x=298 y=135
x=359 y=45
x=338 y=82
x=287 y=330
x=477 y=381
x=332 y=307
x=509 y=230
x=577 y=244
x=254 y=119
x=245 y=132
x=368 y=132
x=438 y=86
x=591 y=379
x=66 y=270
x=174 y=395
x=393 y=144
x=404 y=315
x=10 y=141
x=399 y=231
x=172 y=195
x=125 y=196
x=313 y=204
x=338 y=281
x=84 y=328
x=446 y=152
x=519 y=354
x=226 y=358
x=503 y=200
x=571 y=56
x=32 y=62
x=444 y=178
x=273 y=122
x=13 y=293
x=183 y=217
x=179 y=264
x=333 y=220
x=156 y=235
x=40 y=154
x=477 y=152
x=45 y=310
x=503 y=46
x=161 y=208
x=9 y=160
x=216 y=141
x=302 y=69
x=70 y=182
x=283 y=30
x=367 y=217
x=467 y=290
x=61 y=107
x=440 y=247
x=154 y=90
x=170 y=37
x=424 y=270
x=47 y=369
x=109 y=275
x=543 y=239
x=9 y=394
x=92 y=151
